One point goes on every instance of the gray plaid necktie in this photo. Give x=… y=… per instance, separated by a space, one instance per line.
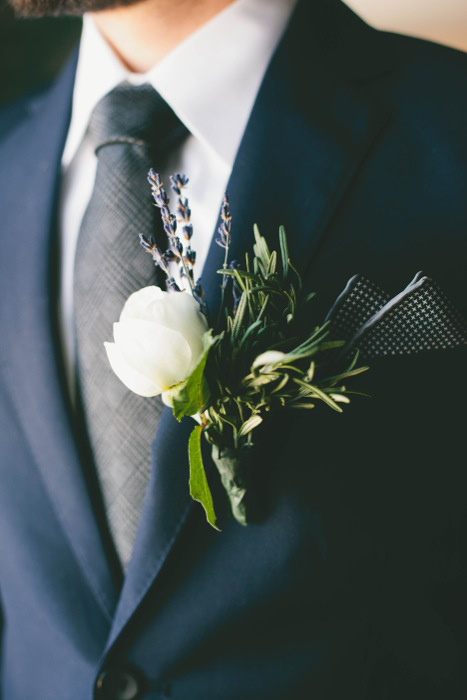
x=132 y=129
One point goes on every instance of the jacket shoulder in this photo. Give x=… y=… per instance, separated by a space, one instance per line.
x=13 y=113
x=427 y=65
x=425 y=88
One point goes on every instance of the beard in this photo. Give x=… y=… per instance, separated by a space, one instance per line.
x=64 y=8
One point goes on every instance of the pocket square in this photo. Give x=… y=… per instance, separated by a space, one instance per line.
x=418 y=319
x=360 y=299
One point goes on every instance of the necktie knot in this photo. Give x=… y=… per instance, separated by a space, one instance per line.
x=134 y=114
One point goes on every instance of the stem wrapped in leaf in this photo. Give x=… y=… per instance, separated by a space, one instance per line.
x=233 y=468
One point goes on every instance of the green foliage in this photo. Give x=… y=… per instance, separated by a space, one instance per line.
x=267 y=356
x=191 y=396
x=199 y=487
x=272 y=314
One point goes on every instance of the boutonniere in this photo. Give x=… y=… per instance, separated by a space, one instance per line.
x=260 y=356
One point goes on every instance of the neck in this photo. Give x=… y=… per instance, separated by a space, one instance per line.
x=143 y=33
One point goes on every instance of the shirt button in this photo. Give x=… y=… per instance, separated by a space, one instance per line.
x=118 y=684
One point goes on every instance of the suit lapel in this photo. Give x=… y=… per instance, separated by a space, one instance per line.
x=165 y=510
x=304 y=142
x=30 y=164
x=308 y=134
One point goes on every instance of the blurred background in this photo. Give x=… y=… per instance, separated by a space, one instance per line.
x=444 y=21
x=32 y=51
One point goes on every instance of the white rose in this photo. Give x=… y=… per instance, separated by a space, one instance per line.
x=158 y=340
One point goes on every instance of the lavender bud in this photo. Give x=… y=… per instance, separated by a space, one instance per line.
x=184 y=210
x=187 y=231
x=172 y=286
x=178 y=182
x=190 y=256
x=170 y=256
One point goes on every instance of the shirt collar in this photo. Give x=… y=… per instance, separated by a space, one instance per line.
x=210 y=80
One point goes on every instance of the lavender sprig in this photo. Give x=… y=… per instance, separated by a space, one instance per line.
x=175 y=252
x=151 y=247
x=225 y=229
x=178 y=184
x=225 y=235
x=178 y=252
x=198 y=294
x=172 y=285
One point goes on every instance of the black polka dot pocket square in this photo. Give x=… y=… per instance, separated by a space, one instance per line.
x=418 y=319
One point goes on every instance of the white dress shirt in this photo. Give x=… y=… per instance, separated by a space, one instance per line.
x=210 y=80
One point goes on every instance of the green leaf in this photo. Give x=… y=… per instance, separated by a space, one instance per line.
x=302 y=405
x=261 y=251
x=297 y=274
x=315 y=392
x=272 y=265
x=250 y=425
x=260 y=243
x=199 y=487
x=281 y=384
x=239 y=316
x=189 y=397
x=251 y=329
x=345 y=375
x=340 y=398
x=263 y=309
x=241 y=283
x=239 y=273
x=266 y=288
x=284 y=251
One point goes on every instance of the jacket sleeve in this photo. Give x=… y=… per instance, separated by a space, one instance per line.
x=1 y=650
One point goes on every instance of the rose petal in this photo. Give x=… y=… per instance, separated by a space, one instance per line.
x=138 y=304
x=132 y=379
x=161 y=354
x=193 y=323
x=177 y=311
x=180 y=312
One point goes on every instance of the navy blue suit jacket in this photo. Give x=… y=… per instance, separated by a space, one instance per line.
x=352 y=583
